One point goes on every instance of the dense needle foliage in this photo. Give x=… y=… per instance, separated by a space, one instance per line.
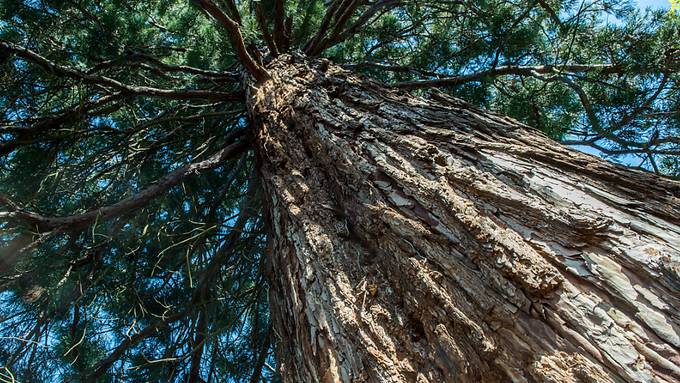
x=138 y=108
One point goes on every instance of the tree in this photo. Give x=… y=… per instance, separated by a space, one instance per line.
x=187 y=187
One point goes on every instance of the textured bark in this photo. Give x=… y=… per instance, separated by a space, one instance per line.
x=424 y=240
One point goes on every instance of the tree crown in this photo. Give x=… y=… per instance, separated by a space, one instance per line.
x=132 y=233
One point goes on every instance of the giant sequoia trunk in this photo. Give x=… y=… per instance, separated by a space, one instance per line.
x=424 y=240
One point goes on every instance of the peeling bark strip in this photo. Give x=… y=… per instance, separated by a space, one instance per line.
x=424 y=240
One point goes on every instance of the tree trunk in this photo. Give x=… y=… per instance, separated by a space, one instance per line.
x=425 y=240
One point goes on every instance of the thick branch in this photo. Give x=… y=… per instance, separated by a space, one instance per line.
x=232 y=11
x=262 y=24
x=311 y=46
x=236 y=38
x=127 y=205
x=340 y=35
x=280 y=36
x=341 y=20
x=384 y=5
x=134 y=56
x=45 y=123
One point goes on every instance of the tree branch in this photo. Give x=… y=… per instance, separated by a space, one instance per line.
x=262 y=356
x=619 y=152
x=234 y=33
x=633 y=114
x=338 y=37
x=340 y=22
x=393 y=68
x=127 y=205
x=312 y=44
x=502 y=71
x=280 y=36
x=44 y=123
x=262 y=24
x=232 y=10
x=28 y=134
x=103 y=365
x=184 y=68
x=52 y=67
x=198 y=345
x=583 y=97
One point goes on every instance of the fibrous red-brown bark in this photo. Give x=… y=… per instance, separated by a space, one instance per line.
x=424 y=240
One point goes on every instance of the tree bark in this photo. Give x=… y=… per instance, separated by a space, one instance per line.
x=425 y=240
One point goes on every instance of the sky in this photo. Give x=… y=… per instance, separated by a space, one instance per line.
x=655 y=4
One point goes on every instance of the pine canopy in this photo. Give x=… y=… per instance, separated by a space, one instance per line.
x=132 y=236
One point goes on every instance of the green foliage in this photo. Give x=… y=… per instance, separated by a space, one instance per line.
x=180 y=280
